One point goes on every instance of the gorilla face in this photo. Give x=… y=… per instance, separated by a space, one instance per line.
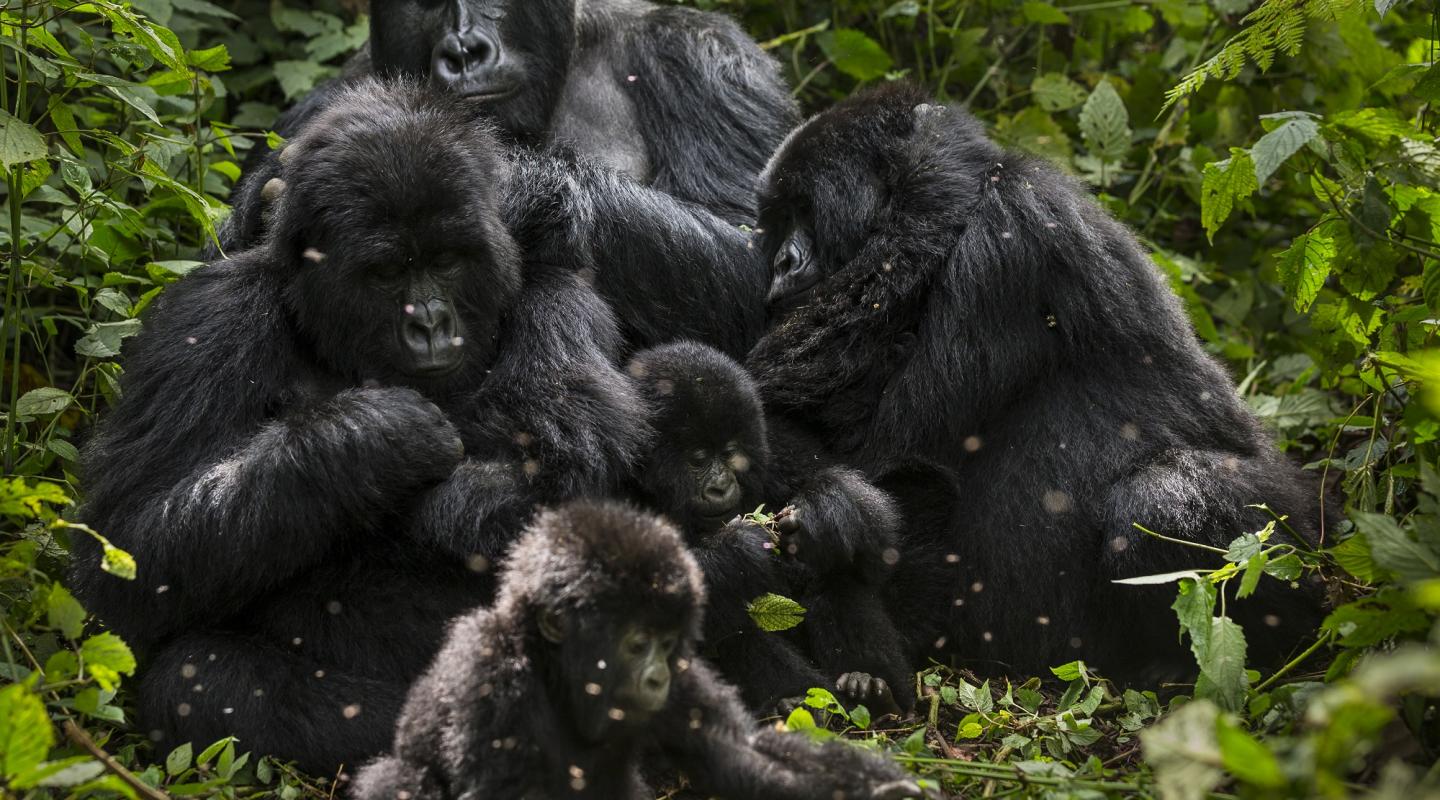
x=615 y=674
x=710 y=438
x=510 y=56
x=400 y=267
x=825 y=193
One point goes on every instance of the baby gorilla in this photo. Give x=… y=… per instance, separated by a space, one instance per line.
x=710 y=462
x=585 y=665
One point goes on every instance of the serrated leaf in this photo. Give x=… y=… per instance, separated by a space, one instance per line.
x=1223 y=663
x=1054 y=91
x=64 y=613
x=1305 y=265
x=1278 y=145
x=42 y=401
x=1183 y=750
x=1073 y=671
x=26 y=734
x=1224 y=184
x=1394 y=550
x=1286 y=568
x=117 y=562
x=1243 y=548
x=772 y=612
x=1105 y=123
x=103 y=340
x=106 y=657
x=854 y=53
x=1193 y=607
x=20 y=143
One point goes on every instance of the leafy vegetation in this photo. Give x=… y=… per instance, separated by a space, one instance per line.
x=1279 y=160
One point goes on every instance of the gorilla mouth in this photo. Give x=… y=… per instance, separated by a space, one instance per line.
x=435 y=369
x=487 y=92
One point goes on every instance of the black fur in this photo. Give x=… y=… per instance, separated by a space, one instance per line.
x=499 y=712
x=295 y=497
x=960 y=303
x=713 y=460
x=657 y=120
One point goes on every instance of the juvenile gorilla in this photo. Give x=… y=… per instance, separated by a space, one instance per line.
x=937 y=296
x=712 y=460
x=280 y=464
x=657 y=120
x=586 y=665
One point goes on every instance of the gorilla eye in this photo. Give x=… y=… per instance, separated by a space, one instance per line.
x=699 y=457
x=388 y=271
x=637 y=645
x=669 y=643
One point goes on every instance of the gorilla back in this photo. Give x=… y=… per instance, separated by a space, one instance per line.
x=937 y=296
x=280 y=425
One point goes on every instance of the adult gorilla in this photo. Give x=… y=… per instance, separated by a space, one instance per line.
x=942 y=298
x=286 y=462
x=679 y=101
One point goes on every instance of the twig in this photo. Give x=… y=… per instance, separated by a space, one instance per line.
x=1295 y=662
x=81 y=739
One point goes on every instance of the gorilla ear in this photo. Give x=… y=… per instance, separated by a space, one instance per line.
x=551 y=625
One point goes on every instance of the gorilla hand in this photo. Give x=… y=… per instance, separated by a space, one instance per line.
x=409 y=438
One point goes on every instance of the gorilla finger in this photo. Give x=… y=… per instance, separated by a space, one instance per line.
x=272 y=190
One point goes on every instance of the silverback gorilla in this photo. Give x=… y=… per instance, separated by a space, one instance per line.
x=584 y=669
x=680 y=103
x=713 y=459
x=936 y=296
x=280 y=464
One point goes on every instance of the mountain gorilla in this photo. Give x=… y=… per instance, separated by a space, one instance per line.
x=713 y=459
x=585 y=669
x=305 y=515
x=679 y=102
x=938 y=296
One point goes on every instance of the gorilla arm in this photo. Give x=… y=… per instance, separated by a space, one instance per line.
x=221 y=474
x=713 y=740
x=712 y=104
x=554 y=419
x=670 y=269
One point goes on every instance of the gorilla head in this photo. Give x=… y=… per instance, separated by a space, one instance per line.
x=845 y=178
x=612 y=604
x=710 y=440
x=510 y=56
x=387 y=235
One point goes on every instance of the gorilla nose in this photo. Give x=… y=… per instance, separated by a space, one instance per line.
x=430 y=334
x=722 y=496
x=464 y=56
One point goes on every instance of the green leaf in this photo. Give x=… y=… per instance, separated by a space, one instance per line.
x=854 y=53
x=914 y=744
x=1044 y=14
x=106 y=658
x=20 y=143
x=61 y=774
x=1246 y=758
x=1243 y=548
x=1224 y=184
x=64 y=613
x=1105 y=123
x=1054 y=91
x=1184 y=752
x=1428 y=87
x=1305 y=265
x=1224 y=664
x=1073 y=671
x=103 y=339
x=179 y=760
x=1394 y=550
x=773 y=612
x=1254 y=568
x=298 y=77
x=1286 y=568
x=64 y=120
x=43 y=401
x=1193 y=606
x=1430 y=284
x=1278 y=145
x=860 y=715
x=213 y=59
x=26 y=734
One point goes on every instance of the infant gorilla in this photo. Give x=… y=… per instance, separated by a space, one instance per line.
x=710 y=461
x=585 y=665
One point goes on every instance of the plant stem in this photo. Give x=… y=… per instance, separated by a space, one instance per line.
x=12 y=301
x=1309 y=651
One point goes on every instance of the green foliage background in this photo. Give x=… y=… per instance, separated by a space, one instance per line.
x=1278 y=159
